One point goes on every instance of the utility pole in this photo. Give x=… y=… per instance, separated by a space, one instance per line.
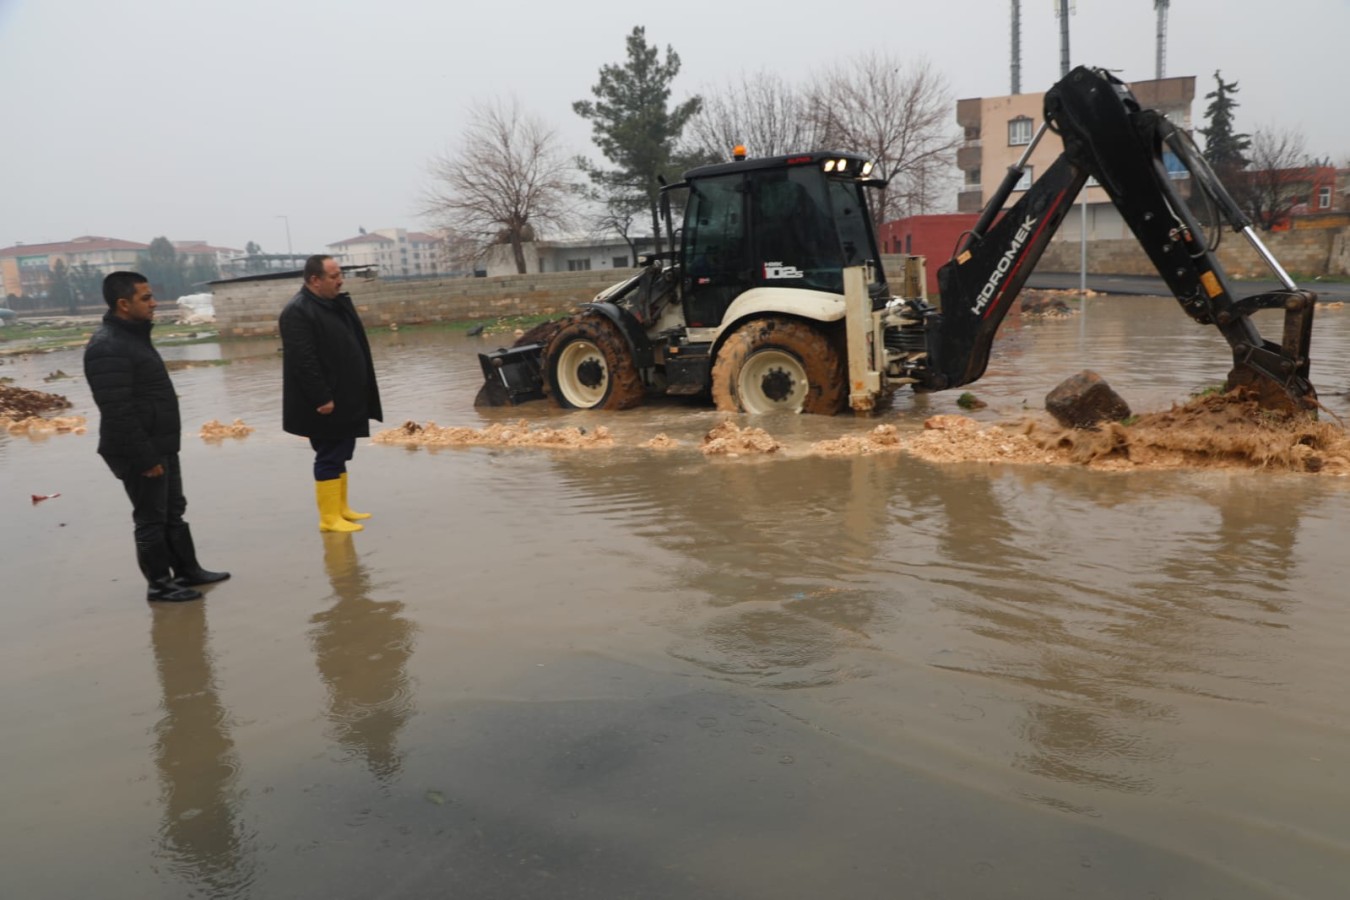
x=1062 y=11
x=1016 y=46
x=289 y=251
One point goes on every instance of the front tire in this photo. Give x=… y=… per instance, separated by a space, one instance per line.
x=779 y=365
x=587 y=365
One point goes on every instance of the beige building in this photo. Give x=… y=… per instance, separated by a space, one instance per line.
x=25 y=269
x=999 y=129
x=575 y=255
x=396 y=252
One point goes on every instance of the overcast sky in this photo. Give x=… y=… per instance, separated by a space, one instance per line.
x=212 y=119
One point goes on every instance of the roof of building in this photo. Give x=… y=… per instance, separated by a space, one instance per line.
x=371 y=238
x=423 y=236
x=84 y=244
x=201 y=247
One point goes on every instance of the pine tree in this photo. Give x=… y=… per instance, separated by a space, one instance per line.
x=635 y=127
x=1223 y=148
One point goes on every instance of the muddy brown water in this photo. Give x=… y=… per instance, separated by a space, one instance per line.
x=627 y=672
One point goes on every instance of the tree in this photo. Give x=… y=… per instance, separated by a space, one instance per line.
x=635 y=127
x=201 y=269
x=897 y=113
x=508 y=181
x=1223 y=148
x=1277 y=179
x=163 y=268
x=762 y=112
x=60 y=293
x=87 y=283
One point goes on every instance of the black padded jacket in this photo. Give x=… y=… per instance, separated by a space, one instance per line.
x=139 y=423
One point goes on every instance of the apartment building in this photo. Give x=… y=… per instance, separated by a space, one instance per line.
x=396 y=252
x=25 y=269
x=998 y=131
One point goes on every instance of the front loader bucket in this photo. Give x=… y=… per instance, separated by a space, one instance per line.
x=511 y=376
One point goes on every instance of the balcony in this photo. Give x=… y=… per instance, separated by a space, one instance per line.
x=970 y=199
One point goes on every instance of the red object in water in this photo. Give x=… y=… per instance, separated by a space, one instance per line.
x=38 y=498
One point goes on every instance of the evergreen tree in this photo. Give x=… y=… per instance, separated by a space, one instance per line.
x=164 y=269
x=635 y=127
x=60 y=293
x=1223 y=148
x=87 y=282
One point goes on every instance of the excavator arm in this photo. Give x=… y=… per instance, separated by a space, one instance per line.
x=1108 y=136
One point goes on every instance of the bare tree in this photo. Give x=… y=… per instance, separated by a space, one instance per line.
x=1277 y=177
x=508 y=181
x=900 y=114
x=761 y=111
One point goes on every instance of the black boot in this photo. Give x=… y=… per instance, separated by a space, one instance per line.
x=184 y=557
x=154 y=563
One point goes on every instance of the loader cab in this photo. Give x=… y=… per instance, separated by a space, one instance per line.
x=787 y=222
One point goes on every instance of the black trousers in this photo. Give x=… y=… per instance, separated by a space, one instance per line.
x=331 y=456
x=156 y=503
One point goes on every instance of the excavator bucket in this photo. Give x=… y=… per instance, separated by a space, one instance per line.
x=511 y=376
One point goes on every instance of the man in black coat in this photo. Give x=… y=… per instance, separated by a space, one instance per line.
x=329 y=394
x=139 y=437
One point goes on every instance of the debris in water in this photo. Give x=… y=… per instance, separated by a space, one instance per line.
x=38 y=498
x=660 y=441
x=882 y=439
x=37 y=426
x=519 y=434
x=20 y=403
x=216 y=430
x=727 y=439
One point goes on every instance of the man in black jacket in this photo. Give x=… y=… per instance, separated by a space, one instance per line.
x=139 y=437
x=329 y=394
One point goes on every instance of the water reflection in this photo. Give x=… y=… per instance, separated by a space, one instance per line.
x=362 y=647
x=1095 y=600
x=196 y=761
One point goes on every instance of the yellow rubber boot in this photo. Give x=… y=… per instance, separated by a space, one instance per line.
x=329 y=496
x=348 y=513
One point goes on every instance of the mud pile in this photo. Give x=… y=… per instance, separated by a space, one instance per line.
x=40 y=426
x=882 y=439
x=728 y=439
x=519 y=434
x=217 y=431
x=949 y=439
x=20 y=403
x=21 y=409
x=1216 y=432
x=660 y=441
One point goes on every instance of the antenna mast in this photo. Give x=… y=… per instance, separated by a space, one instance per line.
x=1161 y=7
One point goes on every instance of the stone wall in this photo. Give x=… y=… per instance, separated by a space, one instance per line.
x=1302 y=252
x=250 y=308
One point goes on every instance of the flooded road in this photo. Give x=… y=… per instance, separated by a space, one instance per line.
x=634 y=673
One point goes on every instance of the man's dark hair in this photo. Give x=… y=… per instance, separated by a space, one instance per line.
x=121 y=286
x=314 y=265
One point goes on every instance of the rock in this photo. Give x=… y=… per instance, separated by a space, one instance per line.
x=1084 y=401
x=1042 y=304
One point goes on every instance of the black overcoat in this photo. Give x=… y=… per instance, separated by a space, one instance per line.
x=326 y=356
x=139 y=423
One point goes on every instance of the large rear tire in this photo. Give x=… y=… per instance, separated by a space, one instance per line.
x=773 y=365
x=588 y=365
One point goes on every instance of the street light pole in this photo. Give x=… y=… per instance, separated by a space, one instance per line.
x=289 y=251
